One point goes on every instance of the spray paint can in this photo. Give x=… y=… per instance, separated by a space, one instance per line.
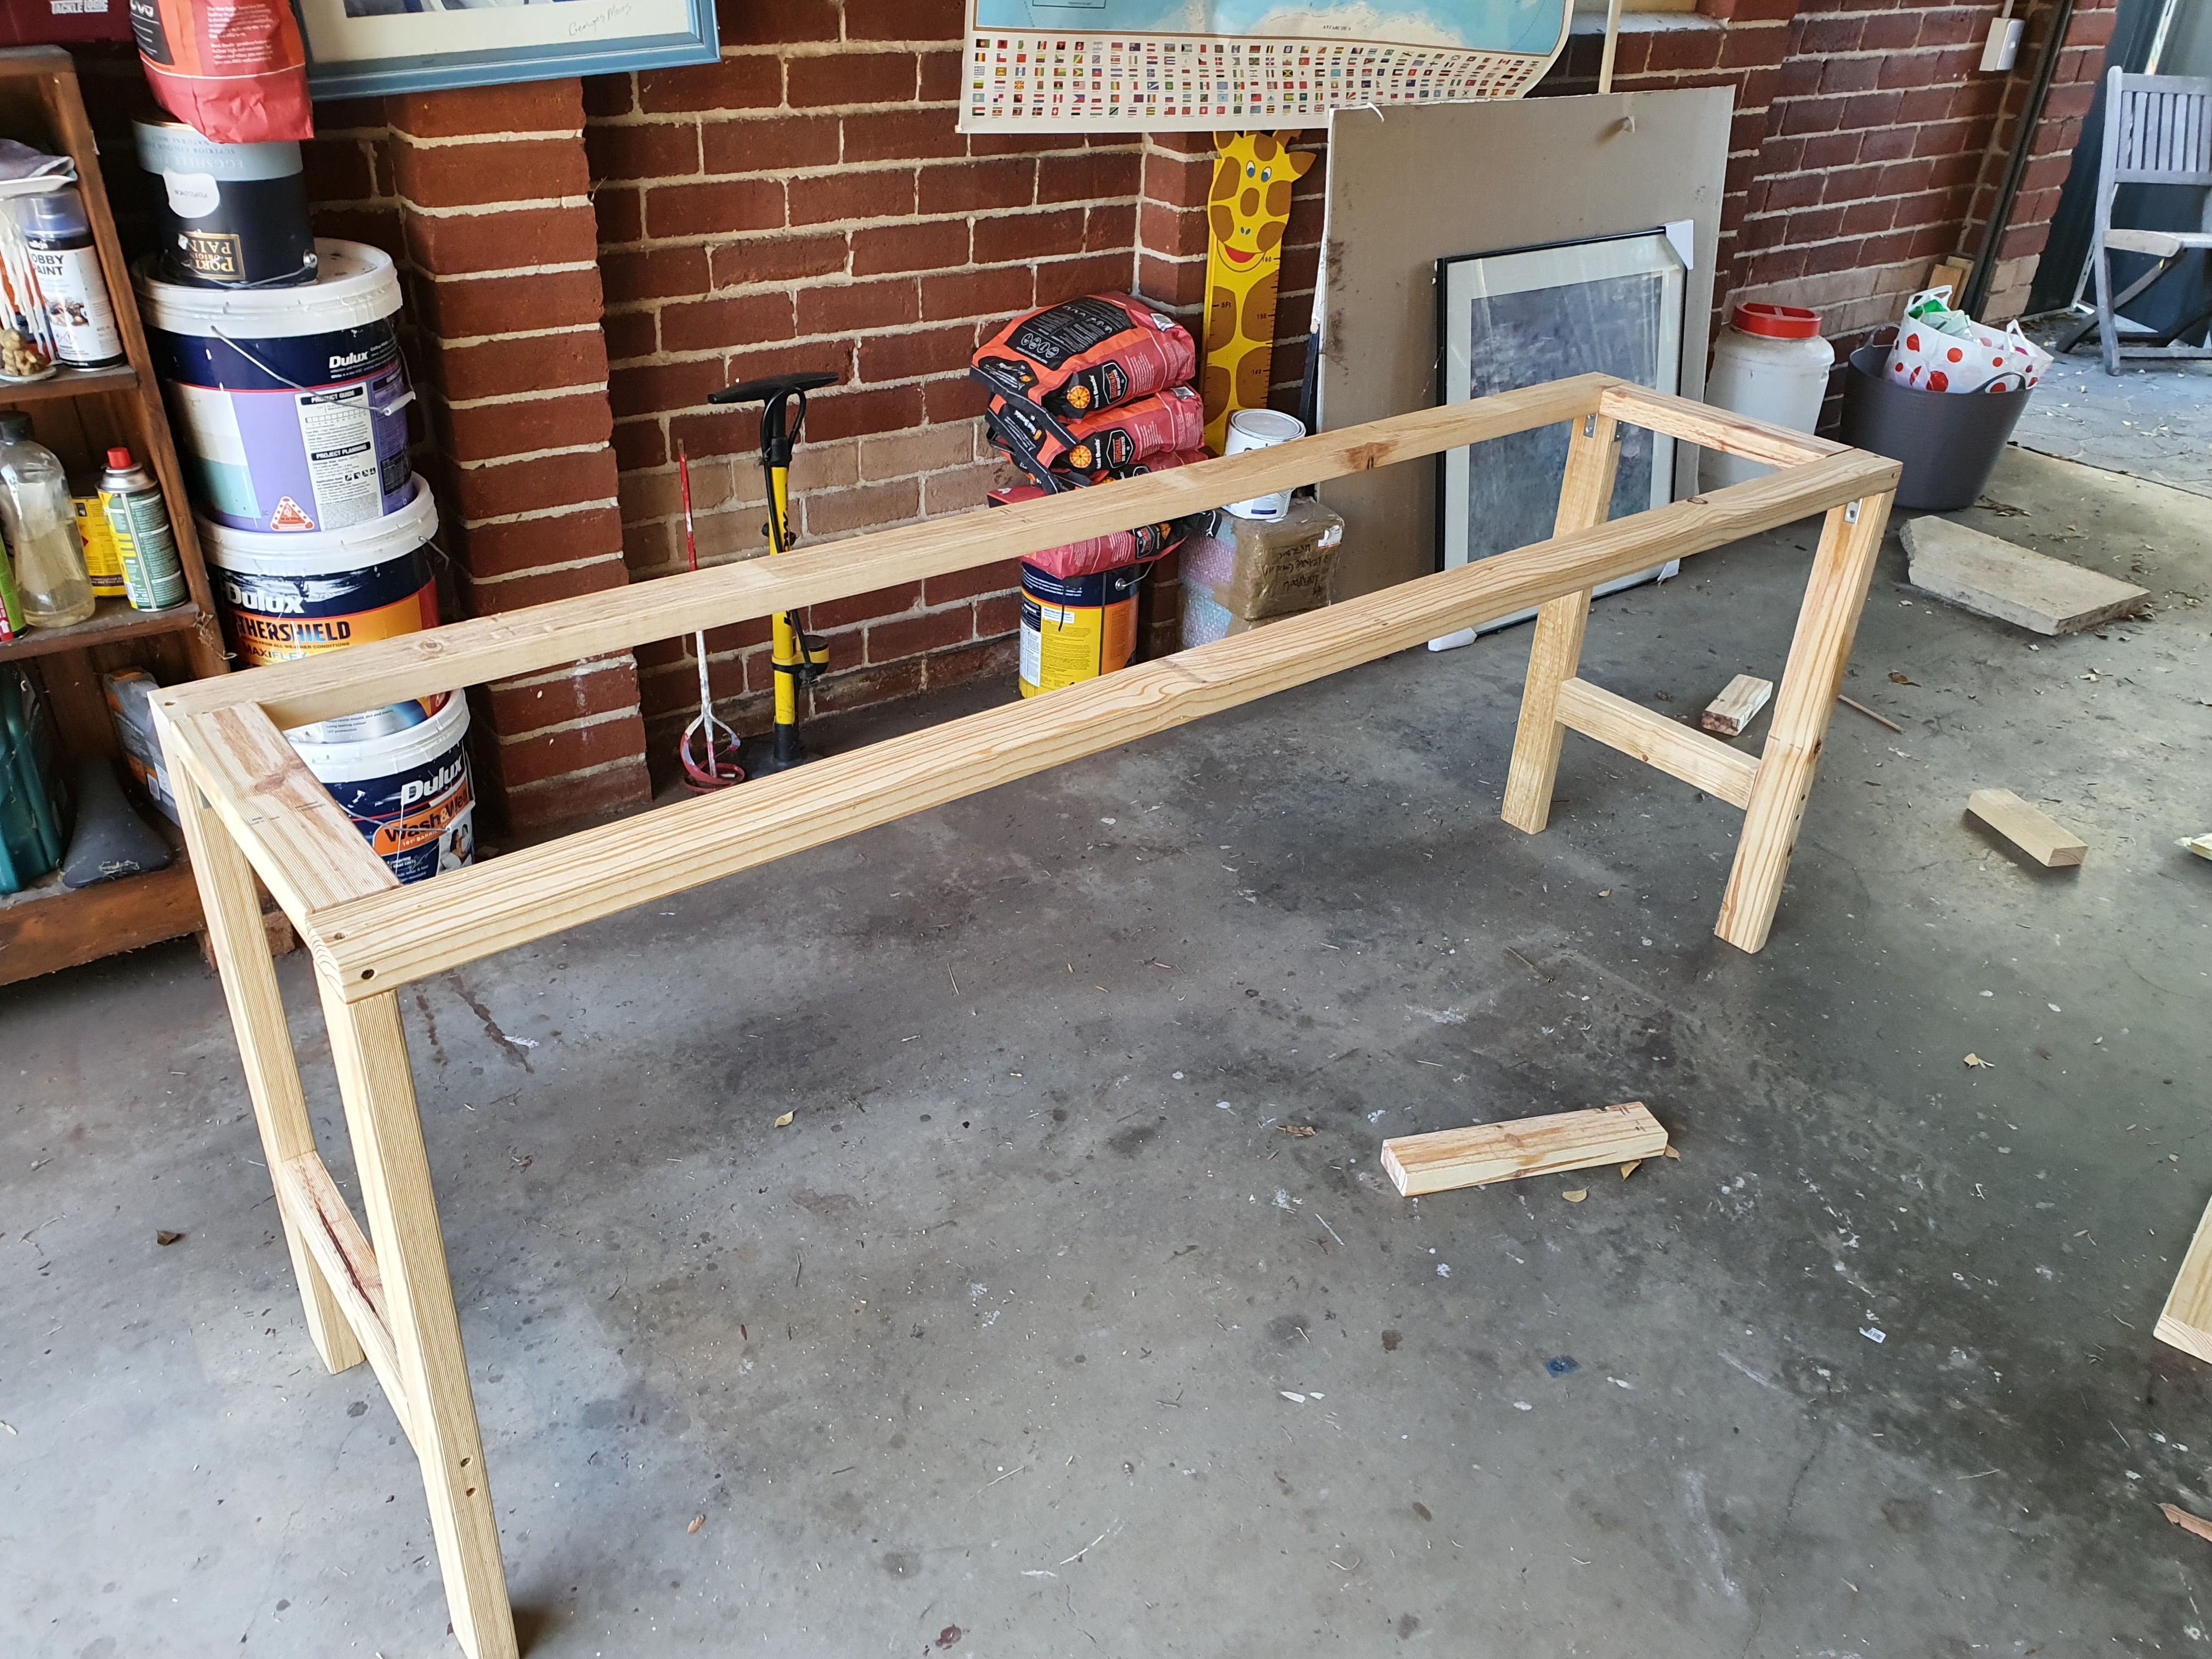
x=144 y=539
x=70 y=285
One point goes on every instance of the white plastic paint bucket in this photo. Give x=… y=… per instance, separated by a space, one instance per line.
x=1262 y=428
x=290 y=402
x=301 y=595
x=407 y=787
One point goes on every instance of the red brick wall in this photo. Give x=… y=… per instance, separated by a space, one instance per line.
x=806 y=203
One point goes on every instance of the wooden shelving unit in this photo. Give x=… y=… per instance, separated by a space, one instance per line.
x=78 y=414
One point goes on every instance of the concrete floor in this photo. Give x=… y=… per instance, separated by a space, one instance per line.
x=2152 y=419
x=1036 y=1334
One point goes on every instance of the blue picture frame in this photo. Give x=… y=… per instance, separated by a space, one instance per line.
x=608 y=53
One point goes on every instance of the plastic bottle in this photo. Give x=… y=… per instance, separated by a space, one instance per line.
x=41 y=525
x=144 y=538
x=67 y=264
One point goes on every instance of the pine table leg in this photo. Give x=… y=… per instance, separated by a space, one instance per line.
x=240 y=939
x=1827 y=622
x=393 y=1166
x=1556 y=651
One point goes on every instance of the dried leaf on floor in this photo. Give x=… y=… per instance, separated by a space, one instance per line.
x=1976 y=1060
x=784 y=1123
x=1668 y=1151
x=697 y=1522
x=1629 y=1168
x=163 y=1236
x=1576 y=1196
x=1896 y=678
x=2188 y=1522
x=1301 y=1131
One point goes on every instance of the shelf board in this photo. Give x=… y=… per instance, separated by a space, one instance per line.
x=48 y=926
x=114 y=620
x=69 y=383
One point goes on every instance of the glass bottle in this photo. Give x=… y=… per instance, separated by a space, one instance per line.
x=41 y=525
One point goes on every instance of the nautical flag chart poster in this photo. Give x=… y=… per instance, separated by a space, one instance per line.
x=1192 y=66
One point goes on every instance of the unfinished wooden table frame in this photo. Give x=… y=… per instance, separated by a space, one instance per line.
x=249 y=806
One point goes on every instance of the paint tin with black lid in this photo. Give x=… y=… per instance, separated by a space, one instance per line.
x=229 y=215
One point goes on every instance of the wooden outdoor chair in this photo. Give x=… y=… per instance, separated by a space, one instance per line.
x=2158 y=130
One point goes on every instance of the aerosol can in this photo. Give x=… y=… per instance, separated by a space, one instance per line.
x=143 y=535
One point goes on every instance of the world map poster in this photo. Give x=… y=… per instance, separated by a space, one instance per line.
x=1192 y=66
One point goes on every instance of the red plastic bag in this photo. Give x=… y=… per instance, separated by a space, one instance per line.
x=1097 y=553
x=1087 y=355
x=235 y=71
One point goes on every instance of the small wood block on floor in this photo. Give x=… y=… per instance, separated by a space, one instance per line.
x=1996 y=579
x=2185 y=1322
x=1736 y=707
x=1484 y=1152
x=2042 y=837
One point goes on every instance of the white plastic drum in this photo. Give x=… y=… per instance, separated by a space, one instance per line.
x=407 y=788
x=1771 y=364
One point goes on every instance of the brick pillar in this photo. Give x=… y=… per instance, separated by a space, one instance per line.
x=1170 y=272
x=494 y=204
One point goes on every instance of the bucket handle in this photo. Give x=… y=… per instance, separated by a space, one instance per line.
x=405 y=397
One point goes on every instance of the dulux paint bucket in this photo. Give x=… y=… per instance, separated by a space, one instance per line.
x=298 y=595
x=406 y=787
x=1076 y=628
x=290 y=402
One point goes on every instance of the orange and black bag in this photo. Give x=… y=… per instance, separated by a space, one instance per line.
x=1111 y=442
x=1085 y=356
x=1096 y=555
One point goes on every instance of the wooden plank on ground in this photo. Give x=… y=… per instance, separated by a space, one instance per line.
x=1737 y=706
x=1486 y=1152
x=2039 y=836
x=1993 y=577
x=2185 y=1322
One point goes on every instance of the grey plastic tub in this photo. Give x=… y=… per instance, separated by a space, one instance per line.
x=1950 y=441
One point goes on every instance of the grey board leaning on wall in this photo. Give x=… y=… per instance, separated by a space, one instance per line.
x=1407 y=187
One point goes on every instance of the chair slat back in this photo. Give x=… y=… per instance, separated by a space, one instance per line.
x=2159 y=129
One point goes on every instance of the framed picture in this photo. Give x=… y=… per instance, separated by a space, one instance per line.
x=364 y=48
x=1517 y=318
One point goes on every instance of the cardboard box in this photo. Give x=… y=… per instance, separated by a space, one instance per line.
x=1254 y=569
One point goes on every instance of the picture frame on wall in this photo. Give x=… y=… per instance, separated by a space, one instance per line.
x=1518 y=317
x=365 y=48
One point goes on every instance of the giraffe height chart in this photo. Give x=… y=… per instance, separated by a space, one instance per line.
x=1246 y=211
x=1192 y=66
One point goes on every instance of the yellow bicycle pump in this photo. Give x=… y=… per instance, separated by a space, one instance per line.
x=799 y=656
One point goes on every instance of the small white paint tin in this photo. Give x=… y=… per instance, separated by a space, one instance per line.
x=1262 y=428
